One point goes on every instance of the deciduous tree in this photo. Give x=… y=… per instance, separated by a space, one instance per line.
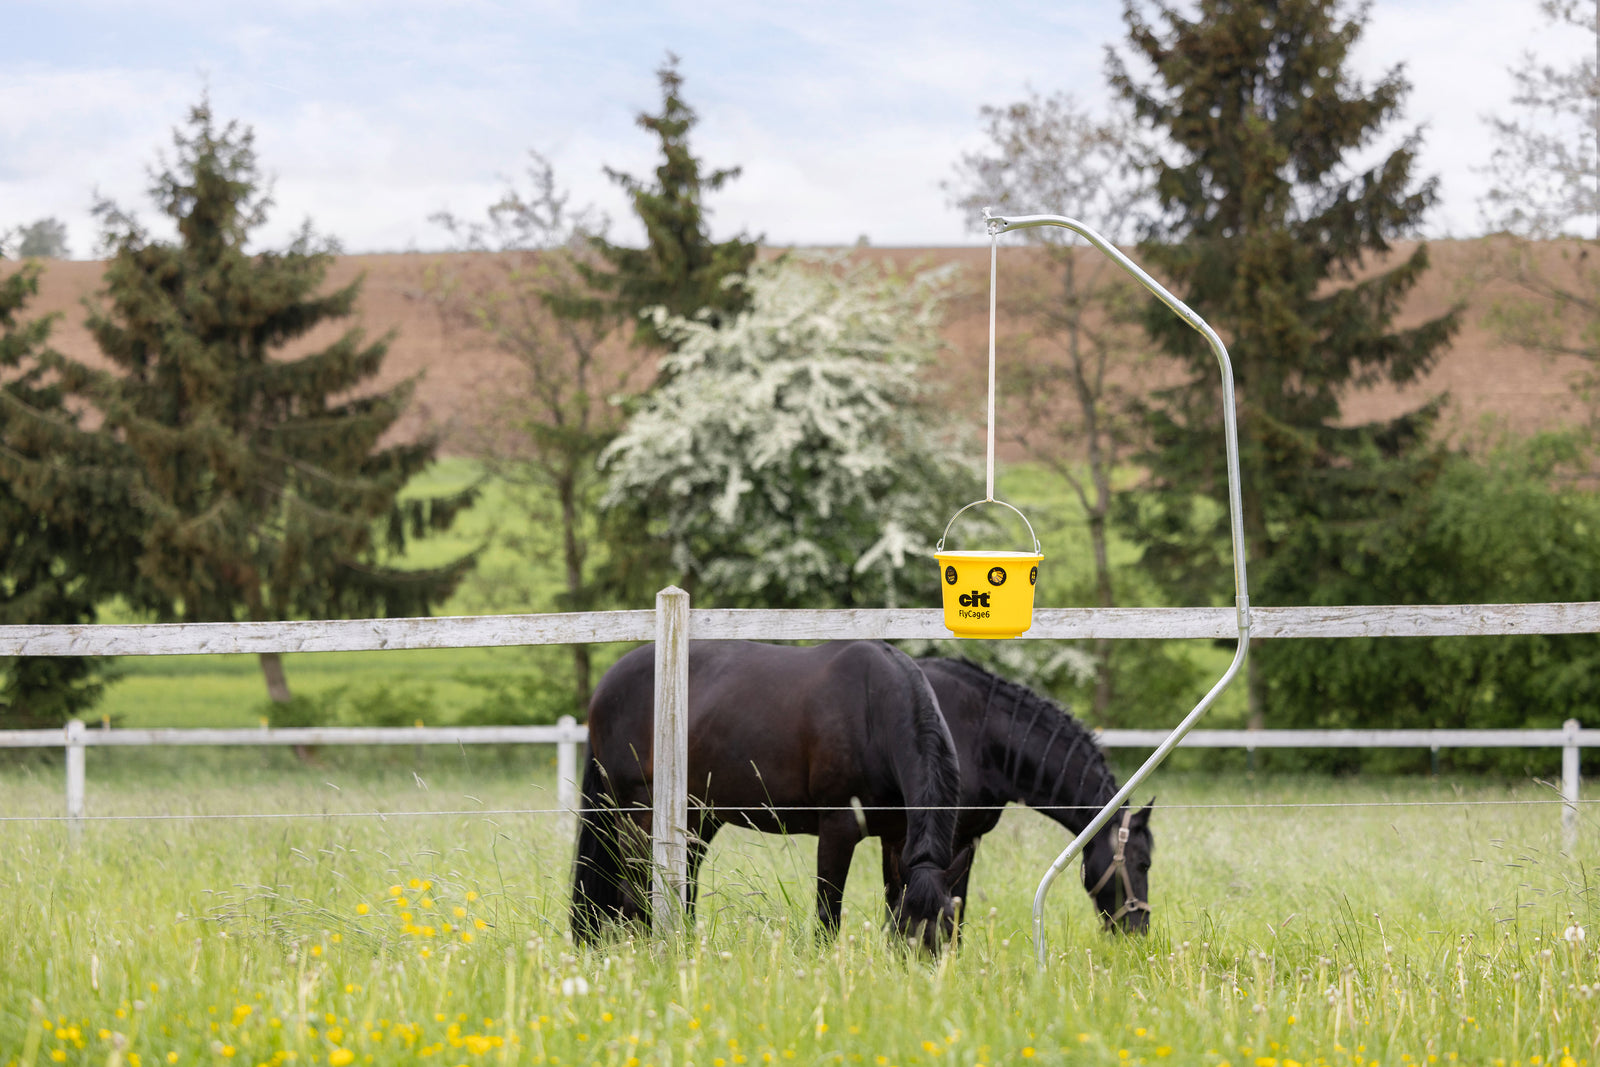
x=788 y=459
x=548 y=423
x=1065 y=398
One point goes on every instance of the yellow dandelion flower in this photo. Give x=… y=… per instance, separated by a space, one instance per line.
x=472 y=894
x=719 y=1062
x=336 y=938
x=1027 y=1053
x=316 y=950
x=59 y=1055
x=228 y=1051
x=466 y=937
x=172 y=1057
x=459 y=912
x=362 y=908
x=1139 y=1032
x=340 y=1056
x=605 y=1016
x=1163 y=1050
x=395 y=890
x=415 y=883
x=425 y=902
x=480 y=924
x=104 y=1034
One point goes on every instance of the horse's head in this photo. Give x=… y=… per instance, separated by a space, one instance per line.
x=1116 y=870
x=927 y=912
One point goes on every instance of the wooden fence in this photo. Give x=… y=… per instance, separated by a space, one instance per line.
x=673 y=624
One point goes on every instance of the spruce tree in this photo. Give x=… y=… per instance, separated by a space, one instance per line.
x=1267 y=233
x=680 y=267
x=264 y=490
x=66 y=533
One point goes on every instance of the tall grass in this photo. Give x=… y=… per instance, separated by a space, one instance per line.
x=1434 y=924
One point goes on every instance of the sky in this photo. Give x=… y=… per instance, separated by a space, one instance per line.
x=846 y=117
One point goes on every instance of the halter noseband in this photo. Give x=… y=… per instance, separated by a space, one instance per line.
x=1119 y=865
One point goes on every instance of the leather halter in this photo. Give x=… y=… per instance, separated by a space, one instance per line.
x=1119 y=865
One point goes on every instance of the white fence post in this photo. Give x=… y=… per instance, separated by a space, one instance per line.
x=75 y=774
x=567 y=765
x=669 y=833
x=1569 y=784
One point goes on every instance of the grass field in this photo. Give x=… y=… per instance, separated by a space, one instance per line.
x=1432 y=924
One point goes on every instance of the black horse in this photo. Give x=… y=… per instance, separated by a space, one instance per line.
x=843 y=740
x=1018 y=746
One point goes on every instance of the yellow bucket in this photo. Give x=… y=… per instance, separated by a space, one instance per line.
x=988 y=593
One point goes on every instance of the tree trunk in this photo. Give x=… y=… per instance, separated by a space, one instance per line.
x=277 y=684
x=278 y=691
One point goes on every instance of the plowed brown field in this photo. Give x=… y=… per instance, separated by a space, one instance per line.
x=463 y=377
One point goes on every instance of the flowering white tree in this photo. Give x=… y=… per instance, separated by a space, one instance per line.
x=792 y=456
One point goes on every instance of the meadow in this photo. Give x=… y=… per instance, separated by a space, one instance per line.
x=409 y=907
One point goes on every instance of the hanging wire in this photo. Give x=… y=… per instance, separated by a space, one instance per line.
x=994 y=255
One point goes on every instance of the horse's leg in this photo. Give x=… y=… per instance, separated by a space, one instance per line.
x=837 y=836
x=960 y=871
x=699 y=843
x=894 y=879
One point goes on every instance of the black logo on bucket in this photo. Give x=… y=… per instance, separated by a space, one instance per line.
x=949 y=575
x=997 y=575
x=1033 y=575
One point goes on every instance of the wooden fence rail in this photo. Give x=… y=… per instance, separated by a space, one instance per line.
x=487 y=631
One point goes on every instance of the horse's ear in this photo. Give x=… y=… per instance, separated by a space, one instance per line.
x=1142 y=816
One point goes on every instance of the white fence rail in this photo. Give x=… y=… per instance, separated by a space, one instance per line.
x=568 y=734
x=488 y=631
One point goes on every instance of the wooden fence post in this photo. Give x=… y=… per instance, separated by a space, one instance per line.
x=669 y=833
x=1569 y=784
x=75 y=776
x=567 y=765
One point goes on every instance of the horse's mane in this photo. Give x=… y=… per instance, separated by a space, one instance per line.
x=1036 y=708
x=938 y=790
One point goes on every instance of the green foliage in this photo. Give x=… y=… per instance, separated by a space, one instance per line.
x=1514 y=528
x=262 y=487
x=64 y=535
x=41 y=239
x=791 y=458
x=1266 y=224
x=680 y=268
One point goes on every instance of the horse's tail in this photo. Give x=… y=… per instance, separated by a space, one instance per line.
x=599 y=889
x=930 y=774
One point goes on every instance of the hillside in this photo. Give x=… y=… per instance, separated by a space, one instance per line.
x=462 y=378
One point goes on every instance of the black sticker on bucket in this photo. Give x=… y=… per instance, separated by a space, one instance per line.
x=997 y=575
x=1033 y=575
x=949 y=575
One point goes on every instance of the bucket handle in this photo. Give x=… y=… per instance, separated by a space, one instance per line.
x=990 y=500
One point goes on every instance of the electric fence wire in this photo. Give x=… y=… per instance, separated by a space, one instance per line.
x=1272 y=806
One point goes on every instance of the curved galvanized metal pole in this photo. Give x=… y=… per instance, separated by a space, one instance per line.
x=999 y=224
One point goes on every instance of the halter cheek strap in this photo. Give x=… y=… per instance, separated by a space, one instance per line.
x=1119 y=866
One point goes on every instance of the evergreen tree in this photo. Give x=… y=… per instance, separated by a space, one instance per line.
x=680 y=267
x=1266 y=227
x=264 y=490
x=60 y=555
